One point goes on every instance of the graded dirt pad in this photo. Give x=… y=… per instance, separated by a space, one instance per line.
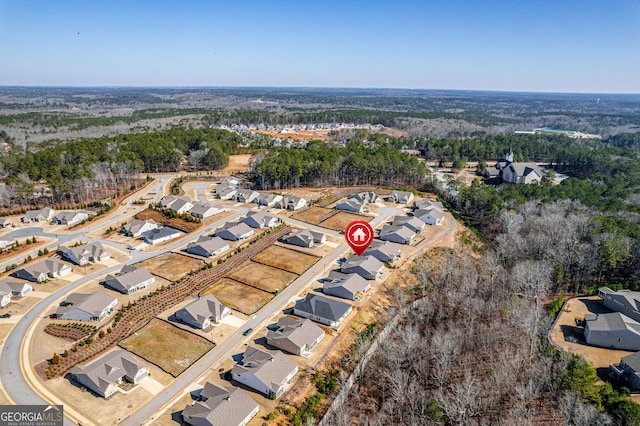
x=238 y=296
x=262 y=277
x=167 y=346
x=239 y=163
x=312 y=215
x=285 y=258
x=339 y=221
x=171 y=266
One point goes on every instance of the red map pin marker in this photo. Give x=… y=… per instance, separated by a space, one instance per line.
x=359 y=235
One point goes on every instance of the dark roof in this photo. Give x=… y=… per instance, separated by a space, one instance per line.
x=323 y=307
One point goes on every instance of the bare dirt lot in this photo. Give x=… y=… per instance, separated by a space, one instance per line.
x=167 y=346
x=171 y=266
x=238 y=296
x=263 y=277
x=238 y=163
x=312 y=215
x=287 y=259
x=339 y=221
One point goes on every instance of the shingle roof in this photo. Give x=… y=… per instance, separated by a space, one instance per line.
x=92 y=303
x=300 y=333
x=108 y=369
x=128 y=278
x=221 y=406
x=270 y=367
x=323 y=307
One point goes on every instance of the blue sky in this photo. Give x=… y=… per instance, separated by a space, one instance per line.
x=546 y=45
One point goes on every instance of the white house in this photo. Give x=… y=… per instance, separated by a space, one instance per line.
x=268 y=372
x=136 y=227
x=429 y=216
x=160 y=235
x=5 y=298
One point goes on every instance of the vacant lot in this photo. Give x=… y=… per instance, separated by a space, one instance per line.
x=287 y=259
x=167 y=346
x=171 y=266
x=239 y=163
x=340 y=220
x=238 y=296
x=175 y=222
x=262 y=277
x=313 y=215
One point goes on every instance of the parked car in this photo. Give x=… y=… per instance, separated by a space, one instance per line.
x=247 y=331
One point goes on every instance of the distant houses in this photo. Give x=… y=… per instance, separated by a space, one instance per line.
x=267 y=372
x=104 y=375
x=83 y=254
x=207 y=246
x=217 y=405
x=129 y=280
x=296 y=336
x=87 y=307
x=203 y=312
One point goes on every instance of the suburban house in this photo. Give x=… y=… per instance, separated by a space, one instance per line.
x=129 y=280
x=16 y=288
x=626 y=302
x=246 y=195
x=160 y=235
x=296 y=336
x=431 y=216
x=291 y=202
x=260 y=220
x=268 y=199
x=83 y=254
x=70 y=218
x=234 y=231
x=105 y=374
x=5 y=298
x=207 y=246
x=136 y=227
x=384 y=251
x=202 y=312
x=5 y=222
x=630 y=364
x=367 y=267
x=268 y=372
x=322 y=309
x=411 y=222
x=400 y=197
x=39 y=272
x=87 y=307
x=521 y=173
x=613 y=330
x=6 y=243
x=43 y=215
x=368 y=196
x=345 y=286
x=220 y=406
x=305 y=238
x=397 y=234
x=180 y=205
x=427 y=204
x=351 y=205
x=203 y=211
x=226 y=191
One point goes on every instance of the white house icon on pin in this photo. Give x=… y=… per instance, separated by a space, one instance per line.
x=358 y=235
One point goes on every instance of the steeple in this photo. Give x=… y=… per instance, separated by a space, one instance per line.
x=509 y=155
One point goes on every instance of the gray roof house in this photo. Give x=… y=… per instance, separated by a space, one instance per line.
x=427 y=204
x=521 y=173
x=6 y=242
x=16 y=288
x=207 y=246
x=291 y=202
x=624 y=301
x=160 y=235
x=260 y=220
x=246 y=195
x=397 y=234
x=178 y=204
x=369 y=197
x=630 y=364
x=226 y=191
x=105 y=374
x=431 y=216
x=203 y=211
x=87 y=307
x=129 y=280
x=5 y=222
x=218 y=406
x=70 y=217
x=83 y=254
x=322 y=309
x=202 y=312
x=345 y=286
x=401 y=197
x=366 y=266
x=43 y=215
x=234 y=231
x=411 y=222
x=268 y=199
x=136 y=227
x=351 y=205
x=305 y=238
x=613 y=330
x=296 y=336
x=38 y=272
x=267 y=372
x=384 y=251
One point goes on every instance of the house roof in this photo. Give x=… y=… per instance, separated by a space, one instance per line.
x=135 y=225
x=368 y=263
x=92 y=303
x=402 y=231
x=109 y=369
x=305 y=235
x=352 y=283
x=271 y=367
x=300 y=332
x=351 y=204
x=246 y=193
x=95 y=250
x=174 y=202
x=384 y=247
x=524 y=169
x=626 y=298
x=159 y=233
x=402 y=195
x=48 y=266
x=633 y=361
x=12 y=286
x=202 y=308
x=435 y=213
x=128 y=278
x=202 y=208
x=428 y=204
x=409 y=221
x=368 y=196
x=209 y=244
x=259 y=218
x=268 y=197
x=323 y=307
x=69 y=215
x=238 y=229
x=613 y=321
x=221 y=406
